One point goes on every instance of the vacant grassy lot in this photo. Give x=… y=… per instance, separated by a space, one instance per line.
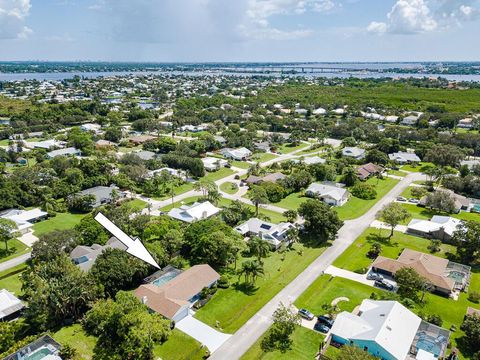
x=355 y=257
x=418 y=212
x=10 y=279
x=356 y=207
x=232 y=307
x=292 y=201
x=219 y=174
x=77 y=338
x=414 y=168
x=229 y=188
x=263 y=157
x=288 y=148
x=61 y=221
x=135 y=205
x=240 y=164
x=305 y=346
x=15 y=248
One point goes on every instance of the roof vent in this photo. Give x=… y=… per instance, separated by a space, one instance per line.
x=144 y=299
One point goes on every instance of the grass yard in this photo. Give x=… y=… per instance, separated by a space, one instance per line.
x=10 y=279
x=355 y=257
x=419 y=212
x=414 y=168
x=306 y=344
x=240 y=164
x=15 y=248
x=274 y=216
x=61 y=221
x=219 y=174
x=292 y=201
x=288 y=148
x=232 y=307
x=135 y=205
x=356 y=207
x=77 y=338
x=229 y=188
x=397 y=173
x=179 y=346
x=263 y=157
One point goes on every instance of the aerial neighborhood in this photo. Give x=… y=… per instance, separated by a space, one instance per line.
x=254 y=217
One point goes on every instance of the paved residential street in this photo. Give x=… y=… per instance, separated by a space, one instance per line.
x=14 y=262
x=246 y=336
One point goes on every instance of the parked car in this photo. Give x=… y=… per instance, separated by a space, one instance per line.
x=413 y=201
x=322 y=319
x=321 y=328
x=382 y=284
x=304 y=313
x=374 y=276
x=401 y=198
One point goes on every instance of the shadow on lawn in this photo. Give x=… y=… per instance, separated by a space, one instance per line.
x=4 y=252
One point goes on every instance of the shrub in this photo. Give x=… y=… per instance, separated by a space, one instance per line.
x=223 y=282
x=374 y=250
x=434 y=246
x=434 y=319
x=474 y=297
x=364 y=191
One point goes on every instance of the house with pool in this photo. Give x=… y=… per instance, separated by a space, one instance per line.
x=390 y=331
x=172 y=292
x=44 y=348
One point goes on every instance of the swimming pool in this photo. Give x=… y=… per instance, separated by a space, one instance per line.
x=428 y=343
x=458 y=276
x=165 y=278
x=39 y=354
x=476 y=207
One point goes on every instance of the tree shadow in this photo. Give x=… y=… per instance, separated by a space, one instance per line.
x=372 y=238
x=247 y=289
x=4 y=252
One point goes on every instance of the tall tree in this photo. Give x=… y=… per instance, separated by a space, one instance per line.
x=321 y=221
x=258 y=196
x=258 y=247
x=285 y=320
x=7 y=231
x=393 y=214
x=467 y=239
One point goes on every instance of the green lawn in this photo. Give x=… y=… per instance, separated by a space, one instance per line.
x=356 y=207
x=355 y=257
x=418 y=212
x=306 y=344
x=136 y=205
x=274 y=216
x=219 y=174
x=414 y=168
x=229 y=188
x=10 y=279
x=292 y=201
x=397 y=173
x=179 y=346
x=232 y=307
x=61 y=221
x=15 y=248
x=263 y=157
x=288 y=148
x=240 y=164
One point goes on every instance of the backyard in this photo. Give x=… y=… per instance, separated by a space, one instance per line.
x=229 y=188
x=288 y=148
x=61 y=221
x=355 y=257
x=232 y=307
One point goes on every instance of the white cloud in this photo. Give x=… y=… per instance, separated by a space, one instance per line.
x=12 y=19
x=421 y=16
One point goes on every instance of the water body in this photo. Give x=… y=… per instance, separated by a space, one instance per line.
x=58 y=76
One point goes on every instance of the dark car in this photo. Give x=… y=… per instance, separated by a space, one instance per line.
x=324 y=320
x=304 y=313
x=382 y=284
x=321 y=327
x=374 y=276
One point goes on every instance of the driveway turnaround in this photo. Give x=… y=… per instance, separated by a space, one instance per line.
x=203 y=333
x=253 y=329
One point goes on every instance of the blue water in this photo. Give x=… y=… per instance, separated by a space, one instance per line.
x=476 y=207
x=428 y=344
x=39 y=354
x=166 y=278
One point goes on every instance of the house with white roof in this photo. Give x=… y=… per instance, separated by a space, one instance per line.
x=470 y=163
x=70 y=151
x=466 y=123
x=354 y=152
x=390 y=331
x=403 y=157
x=329 y=193
x=91 y=127
x=24 y=218
x=311 y=160
x=213 y=164
x=438 y=227
x=197 y=211
x=174 y=172
x=10 y=305
x=319 y=111
x=46 y=144
x=236 y=154
x=275 y=234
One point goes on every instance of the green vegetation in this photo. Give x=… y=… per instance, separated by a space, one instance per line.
x=288 y=148
x=240 y=164
x=15 y=248
x=136 y=205
x=219 y=174
x=10 y=279
x=306 y=344
x=356 y=207
x=229 y=188
x=355 y=257
x=415 y=168
x=263 y=157
x=76 y=337
x=61 y=221
x=418 y=212
x=232 y=307
x=292 y=201
x=179 y=346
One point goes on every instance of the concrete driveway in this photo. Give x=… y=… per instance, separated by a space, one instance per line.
x=203 y=333
x=361 y=278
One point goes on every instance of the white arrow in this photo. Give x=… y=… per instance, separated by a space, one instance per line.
x=134 y=246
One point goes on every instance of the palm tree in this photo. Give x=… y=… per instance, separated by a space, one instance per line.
x=254 y=169
x=49 y=204
x=292 y=235
x=172 y=193
x=259 y=248
x=251 y=269
x=258 y=196
x=213 y=196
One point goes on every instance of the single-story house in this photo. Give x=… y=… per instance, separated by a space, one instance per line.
x=354 y=152
x=445 y=276
x=24 y=218
x=275 y=234
x=213 y=164
x=91 y=127
x=410 y=120
x=10 y=305
x=390 y=331
x=84 y=256
x=391 y=118
x=329 y=193
x=102 y=144
x=222 y=141
x=145 y=155
x=368 y=170
x=194 y=212
x=141 y=139
x=470 y=163
x=310 y=160
x=273 y=177
x=461 y=202
x=173 y=298
x=46 y=144
x=236 y=154
x=43 y=348
x=466 y=123
x=439 y=227
x=70 y=151
x=192 y=128
x=174 y=172
x=402 y=157
x=103 y=194
x=319 y=111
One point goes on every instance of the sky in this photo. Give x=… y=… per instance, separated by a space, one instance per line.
x=240 y=30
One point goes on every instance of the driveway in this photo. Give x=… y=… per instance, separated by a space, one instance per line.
x=203 y=333
x=28 y=239
x=361 y=278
